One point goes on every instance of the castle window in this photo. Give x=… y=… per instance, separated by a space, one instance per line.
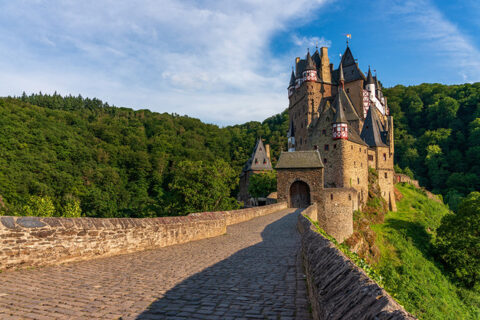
x=324 y=160
x=351 y=147
x=315 y=147
x=302 y=124
x=326 y=147
x=331 y=196
x=354 y=164
x=361 y=164
x=264 y=161
x=324 y=132
x=334 y=146
x=370 y=157
x=365 y=150
x=349 y=196
x=386 y=175
x=256 y=161
x=300 y=140
x=360 y=149
x=384 y=157
x=358 y=180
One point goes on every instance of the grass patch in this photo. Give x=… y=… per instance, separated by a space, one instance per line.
x=355 y=258
x=408 y=265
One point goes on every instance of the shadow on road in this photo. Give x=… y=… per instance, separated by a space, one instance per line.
x=258 y=282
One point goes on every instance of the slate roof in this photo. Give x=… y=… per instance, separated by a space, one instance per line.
x=371 y=131
x=369 y=77
x=351 y=71
x=260 y=155
x=317 y=58
x=292 y=80
x=300 y=68
x=309 y=64
x=340 y=116
x=299 y=159
x=342 y=98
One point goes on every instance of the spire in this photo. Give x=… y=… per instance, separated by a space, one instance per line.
x=339 y=112
x=341 y=77
x=369 y=77
x=371 y=131
x=310 y=65
x=292 y=80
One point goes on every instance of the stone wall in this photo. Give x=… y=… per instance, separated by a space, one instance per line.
x=404 y=178
x=335 y=212
x=34 y=241
x=337 y=288
x=312 y=177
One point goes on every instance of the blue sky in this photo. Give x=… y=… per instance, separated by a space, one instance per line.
x=225 y=62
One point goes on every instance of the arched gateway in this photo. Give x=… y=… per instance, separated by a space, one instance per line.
x=299 y=195
x=299 y=178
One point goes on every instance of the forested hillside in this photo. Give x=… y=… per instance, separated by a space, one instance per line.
x=70 y=156
x=437 y=136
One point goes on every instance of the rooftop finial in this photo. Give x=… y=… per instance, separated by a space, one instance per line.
x=349 y=36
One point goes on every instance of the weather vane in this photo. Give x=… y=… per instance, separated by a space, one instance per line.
x=349 y=36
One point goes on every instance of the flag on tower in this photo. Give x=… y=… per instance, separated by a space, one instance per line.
x=349 y=36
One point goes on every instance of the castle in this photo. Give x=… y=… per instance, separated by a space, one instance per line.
x=339 y=128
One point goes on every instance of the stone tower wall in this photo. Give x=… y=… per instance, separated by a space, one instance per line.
x=335 y=211
x=304 y=104
x=386 y=173
x=354 y=164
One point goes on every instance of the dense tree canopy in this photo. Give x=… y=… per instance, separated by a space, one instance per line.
x=262 y=184
x=437 y=136
x=458 y=240
x=64 y=156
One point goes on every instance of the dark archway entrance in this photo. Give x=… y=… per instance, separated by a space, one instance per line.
x=299 y=195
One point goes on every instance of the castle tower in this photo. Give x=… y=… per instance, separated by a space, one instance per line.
x=370 y=86
x=306 y=97
x=259 y=162
x=291 y=86
x=291 y=137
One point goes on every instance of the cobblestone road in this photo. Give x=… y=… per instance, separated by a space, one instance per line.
x=252 y=272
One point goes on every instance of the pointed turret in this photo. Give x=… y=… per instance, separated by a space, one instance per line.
x=370 y=77
x=340 y=123
x=370 y=86
x=292 y=80
x=291 y=86
x=310 y=73
x=310 y=65
x=371 y=130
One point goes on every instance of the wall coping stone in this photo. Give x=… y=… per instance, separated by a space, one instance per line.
x=337 y=288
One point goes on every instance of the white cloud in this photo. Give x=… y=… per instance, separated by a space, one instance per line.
x=422 y=21
x=310 y=42
x=208 y=59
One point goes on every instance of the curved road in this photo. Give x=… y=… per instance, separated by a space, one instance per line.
x=252 y=272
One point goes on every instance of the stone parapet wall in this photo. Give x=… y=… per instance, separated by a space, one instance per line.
x=399 y=177
x=337 y=288
x=36 y=241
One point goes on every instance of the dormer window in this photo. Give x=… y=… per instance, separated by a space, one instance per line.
x=264 y=161
x=256 y=160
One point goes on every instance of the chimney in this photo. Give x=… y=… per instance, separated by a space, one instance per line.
x=326 y=74
x=267 y=150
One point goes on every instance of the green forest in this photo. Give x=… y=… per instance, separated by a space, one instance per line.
x=74 y=156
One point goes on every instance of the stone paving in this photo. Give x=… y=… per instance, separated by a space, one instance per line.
x=252 y=272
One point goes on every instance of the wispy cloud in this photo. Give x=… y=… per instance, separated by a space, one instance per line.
x=424 y=22
x=209 y=59
x=310 y=41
